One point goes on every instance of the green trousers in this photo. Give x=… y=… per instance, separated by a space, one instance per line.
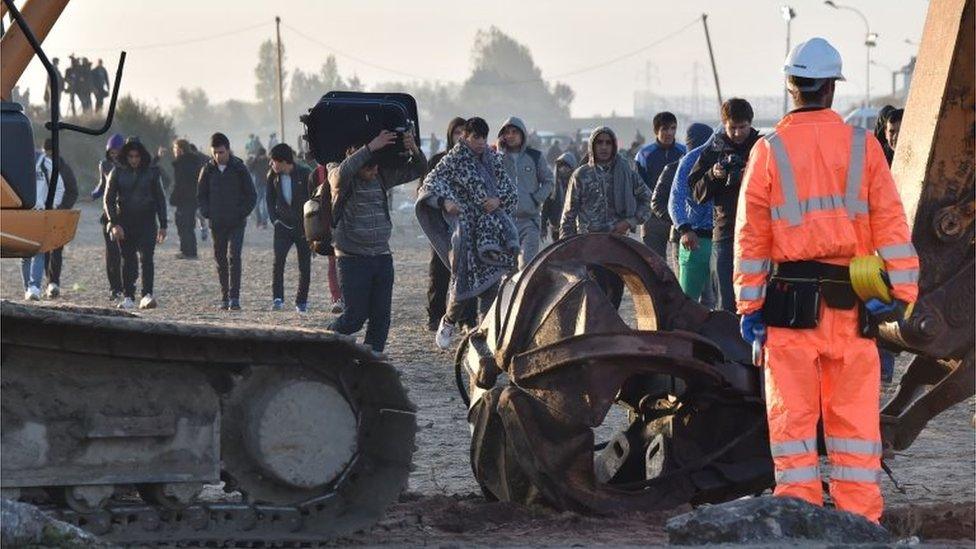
x=694 y=267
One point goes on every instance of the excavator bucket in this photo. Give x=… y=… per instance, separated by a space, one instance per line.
x=934 y=170
x=697 y=426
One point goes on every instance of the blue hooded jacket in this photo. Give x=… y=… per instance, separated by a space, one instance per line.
x=682 y=206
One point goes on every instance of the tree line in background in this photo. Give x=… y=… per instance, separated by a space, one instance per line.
x=504 y=80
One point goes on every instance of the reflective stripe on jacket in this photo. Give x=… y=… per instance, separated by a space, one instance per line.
x=817 y=189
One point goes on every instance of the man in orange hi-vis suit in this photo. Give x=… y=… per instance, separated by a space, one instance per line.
x=816 y=194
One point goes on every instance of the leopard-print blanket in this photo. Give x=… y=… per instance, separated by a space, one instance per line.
x=477 y=246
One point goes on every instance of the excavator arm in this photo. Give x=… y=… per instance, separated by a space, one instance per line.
x=934 y=170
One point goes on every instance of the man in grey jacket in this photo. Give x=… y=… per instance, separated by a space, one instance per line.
x=362 y=234
x=605 y=196
x=527 y=169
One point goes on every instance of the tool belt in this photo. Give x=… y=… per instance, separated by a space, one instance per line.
x=796 y=290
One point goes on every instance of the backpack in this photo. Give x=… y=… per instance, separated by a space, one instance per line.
x=317 y=218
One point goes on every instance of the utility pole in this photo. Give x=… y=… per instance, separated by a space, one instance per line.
x=711 y=56
x=281 y=100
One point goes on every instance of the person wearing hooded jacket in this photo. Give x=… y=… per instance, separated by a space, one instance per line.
x=439 y=274
x=113 y=256
x=692 y=221
x=528 y=170
x=605 y=196
x=552 y=210
x=134 y=199
x=469 y=190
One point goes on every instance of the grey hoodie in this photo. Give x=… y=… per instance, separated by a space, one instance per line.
x=530 y=173
x=552 y=210
x=598 y=197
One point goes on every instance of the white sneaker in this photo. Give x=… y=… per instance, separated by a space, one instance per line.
x=445 y=332
x=53 y=291
x=338 y=306
x=127 y=303
x=147 y=302
x=32 y=293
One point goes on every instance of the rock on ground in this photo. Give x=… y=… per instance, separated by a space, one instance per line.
x=771 y=519
x=22 y=524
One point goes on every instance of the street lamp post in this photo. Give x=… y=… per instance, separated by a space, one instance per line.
x=788 y=15
x=870 y=40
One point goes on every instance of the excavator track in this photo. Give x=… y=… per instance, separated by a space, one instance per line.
x=315 y=432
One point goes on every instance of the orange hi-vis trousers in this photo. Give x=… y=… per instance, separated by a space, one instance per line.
x=828 y=370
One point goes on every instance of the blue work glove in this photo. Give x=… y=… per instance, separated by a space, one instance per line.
x=748 y=326
x=886 y=312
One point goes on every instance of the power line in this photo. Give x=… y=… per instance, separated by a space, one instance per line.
x=574 y=72
x=177 y=43
x=632 y=53
x=352 y=57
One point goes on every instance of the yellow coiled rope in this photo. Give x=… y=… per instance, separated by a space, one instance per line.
x=870 y=280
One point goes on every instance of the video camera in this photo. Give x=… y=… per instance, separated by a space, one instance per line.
x=343 y=119
x=732 y=162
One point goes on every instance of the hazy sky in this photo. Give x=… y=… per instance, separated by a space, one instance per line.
x=213 y=43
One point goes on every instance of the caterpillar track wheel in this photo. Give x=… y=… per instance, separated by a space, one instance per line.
x=315 y=432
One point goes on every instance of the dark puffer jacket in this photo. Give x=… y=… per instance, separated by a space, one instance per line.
x=134 y=195
x=226 y=198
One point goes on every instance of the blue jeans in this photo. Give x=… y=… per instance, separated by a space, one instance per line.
x=367 y=288
x=32 y=271
x=722 y=253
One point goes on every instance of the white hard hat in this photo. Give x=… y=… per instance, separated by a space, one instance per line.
x=815 y=59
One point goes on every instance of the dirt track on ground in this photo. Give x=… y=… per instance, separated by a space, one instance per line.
x=442 y=508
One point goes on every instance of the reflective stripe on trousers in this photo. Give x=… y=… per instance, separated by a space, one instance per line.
x=830 y=371
x=853 y=446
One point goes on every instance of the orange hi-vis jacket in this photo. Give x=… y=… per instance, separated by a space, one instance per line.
x=816 y=189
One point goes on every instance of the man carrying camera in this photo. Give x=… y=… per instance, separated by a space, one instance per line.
x=362 y=235
x=717 y=176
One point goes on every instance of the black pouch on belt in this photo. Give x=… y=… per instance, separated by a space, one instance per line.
x=838 y=294
x=792 y=303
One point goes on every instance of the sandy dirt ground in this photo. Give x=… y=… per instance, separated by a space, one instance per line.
x=442 y=506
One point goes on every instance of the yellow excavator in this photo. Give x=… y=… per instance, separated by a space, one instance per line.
x=28 y=228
